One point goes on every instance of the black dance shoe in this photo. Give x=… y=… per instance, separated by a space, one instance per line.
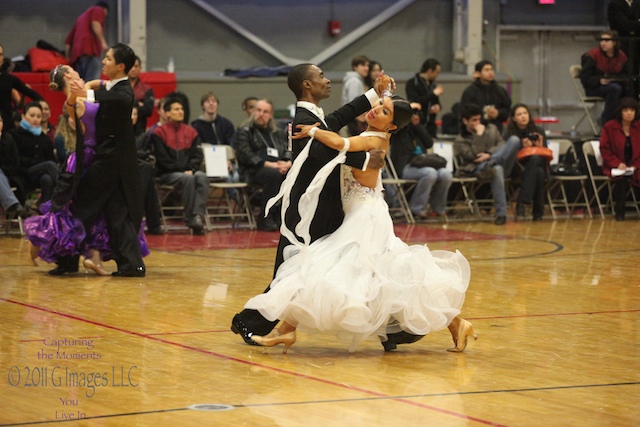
x=401 y=337
x=501 y=220
x=130 y=272
x=238 y=327
x=63 y=270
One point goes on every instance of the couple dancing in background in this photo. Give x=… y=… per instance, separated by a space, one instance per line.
x=97 y=212
x=340 y=268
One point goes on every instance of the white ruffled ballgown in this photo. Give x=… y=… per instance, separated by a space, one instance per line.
x=356 y=280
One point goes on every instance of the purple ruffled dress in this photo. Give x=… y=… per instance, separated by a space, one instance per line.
x=60 y=234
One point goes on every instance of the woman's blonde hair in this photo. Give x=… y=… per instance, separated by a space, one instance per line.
x=66 y=132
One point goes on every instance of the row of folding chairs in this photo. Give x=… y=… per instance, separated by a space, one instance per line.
x=463 y=200
x=228 y=203
x=590 y=191
x=567 y=195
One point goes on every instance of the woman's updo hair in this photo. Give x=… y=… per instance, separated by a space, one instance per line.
x=402 y=112
x=56 y=78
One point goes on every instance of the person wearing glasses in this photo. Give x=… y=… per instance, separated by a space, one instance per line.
x=606 y=73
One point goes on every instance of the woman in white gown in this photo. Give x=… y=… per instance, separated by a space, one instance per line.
x=361 y=280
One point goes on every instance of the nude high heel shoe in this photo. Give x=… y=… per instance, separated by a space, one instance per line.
x=94 y=263
x=465 y=329
x=274 y=338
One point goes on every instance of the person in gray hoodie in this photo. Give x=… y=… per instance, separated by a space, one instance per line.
x=353 y=87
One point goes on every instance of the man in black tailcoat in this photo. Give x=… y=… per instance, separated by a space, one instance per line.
x=112 y=182
x=310 y=86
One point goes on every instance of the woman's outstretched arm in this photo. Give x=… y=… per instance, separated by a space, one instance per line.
x=335 y=141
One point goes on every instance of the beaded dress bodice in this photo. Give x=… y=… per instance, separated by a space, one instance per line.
x=352 y=190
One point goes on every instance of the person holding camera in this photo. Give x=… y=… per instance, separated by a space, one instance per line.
x=522 y=129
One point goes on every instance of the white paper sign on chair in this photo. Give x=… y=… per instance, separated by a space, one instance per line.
x=215 y=160
x=595 y=144
x=445 y=149
x=554 y=146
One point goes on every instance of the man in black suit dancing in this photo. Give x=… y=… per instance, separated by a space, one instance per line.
x=310 y=86
x=112 y=182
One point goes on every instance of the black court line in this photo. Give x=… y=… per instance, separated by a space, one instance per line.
x=363 y=399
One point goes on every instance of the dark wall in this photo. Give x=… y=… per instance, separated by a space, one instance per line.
x=563 y=12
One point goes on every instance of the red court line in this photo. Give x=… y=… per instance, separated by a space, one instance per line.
x=253 y=239
x=234 y=359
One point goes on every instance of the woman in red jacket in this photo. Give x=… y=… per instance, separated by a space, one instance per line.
x=605 y=73
x=620 y=149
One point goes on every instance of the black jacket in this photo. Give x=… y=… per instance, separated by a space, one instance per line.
x=491 y=94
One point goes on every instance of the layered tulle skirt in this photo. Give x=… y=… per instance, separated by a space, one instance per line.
x=362 y=278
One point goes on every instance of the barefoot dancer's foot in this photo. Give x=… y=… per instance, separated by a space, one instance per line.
x=33 y=254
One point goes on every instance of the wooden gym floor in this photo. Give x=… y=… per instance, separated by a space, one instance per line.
x=556 y=305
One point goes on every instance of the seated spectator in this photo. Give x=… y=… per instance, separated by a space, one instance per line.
x=522 y=130
x=433 y=185
x=179 y=157
x=606 y=73
x=48 y=128
x=493 y=99
x=212 y=127
x=620 y=149
x=144 y=98
x=263 y=158
x=217 y=130
x=184 y=100
x=483 y=153
x=37 y=160
x=9 y=165
x=422 y=88
x=248 y=104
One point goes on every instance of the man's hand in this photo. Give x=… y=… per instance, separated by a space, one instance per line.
x=439 y=90
x=376 y=159
x=76 y=87
x=479 y=129
x=303 y=130
x=492 y=113
x=384 y=83
x=284 y=166
x=482 y=157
